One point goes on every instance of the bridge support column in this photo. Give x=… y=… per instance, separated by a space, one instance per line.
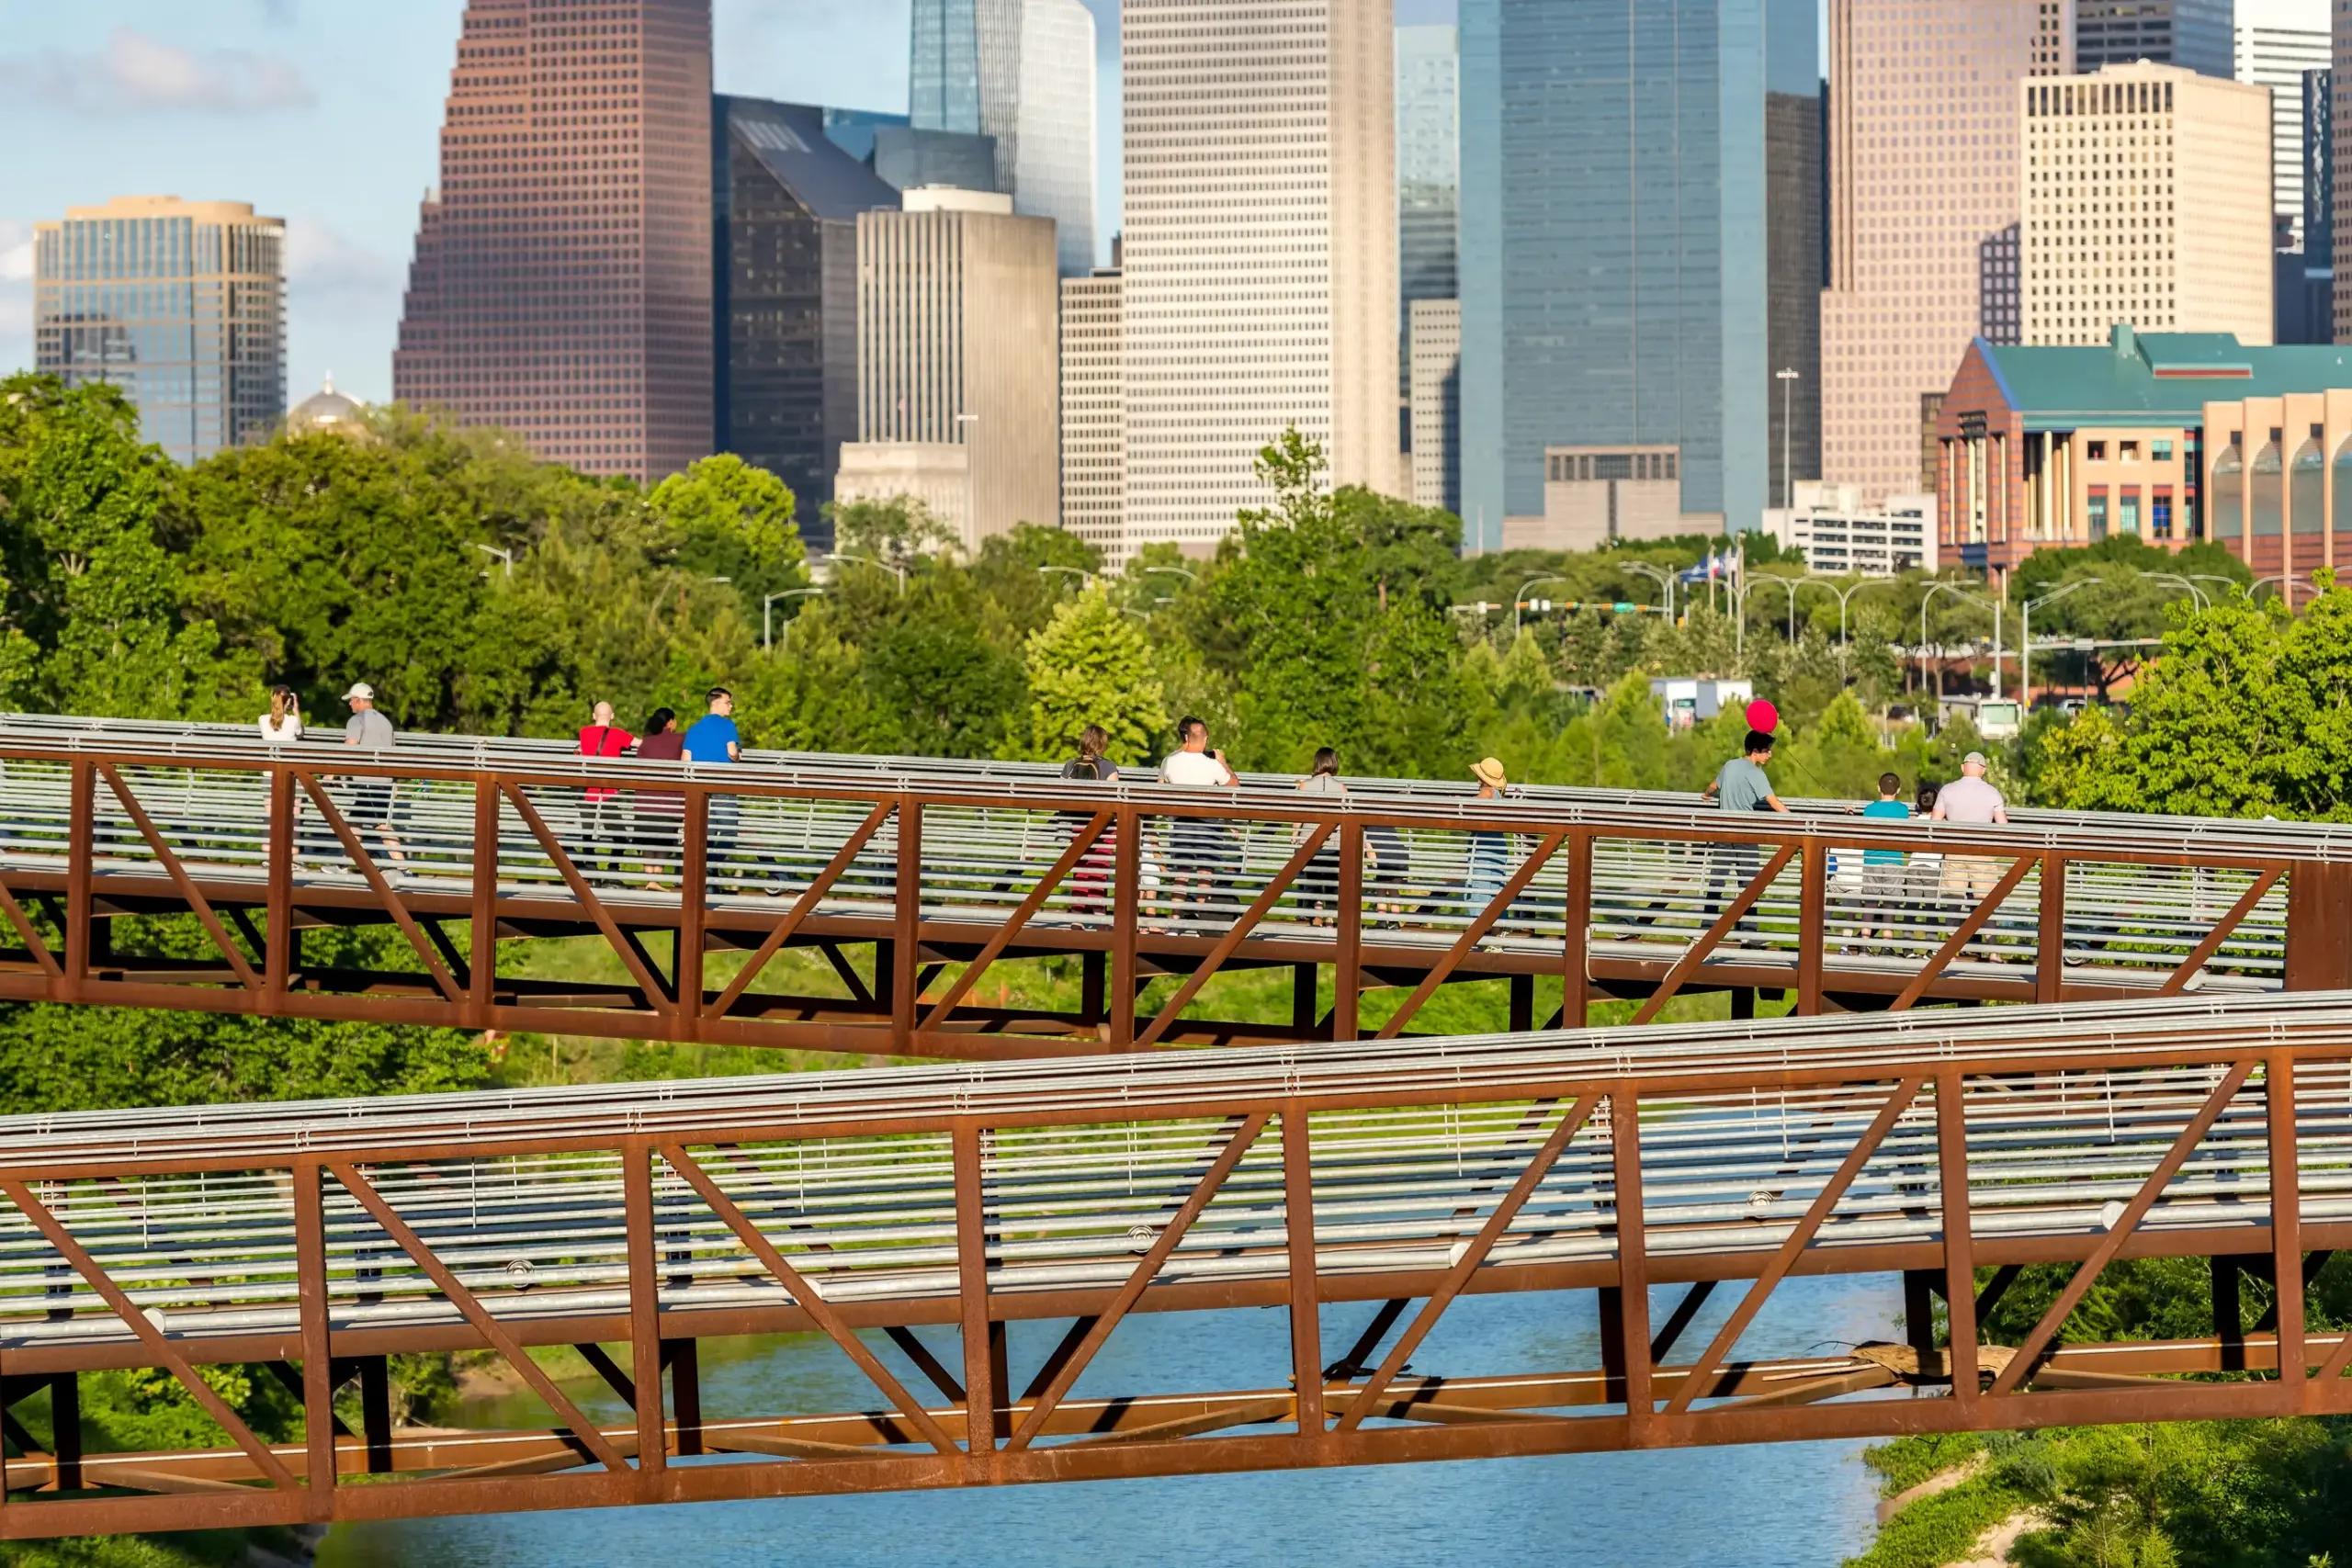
x=1743 y=1003
x=2319 y=928
x=375 y=1413
x=1092 y=969
x=65 y=1429
x=685 y=1392
x=1522 y=1003
x=1919 y=1312
x=1304 y=1014
x=2229 y=1316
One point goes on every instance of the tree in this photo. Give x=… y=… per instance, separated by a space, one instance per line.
x=1091 y=665
x=723 y=517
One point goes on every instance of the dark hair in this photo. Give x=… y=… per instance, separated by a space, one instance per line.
x=718 y=692
x=1326 y=760
x=1092 y=743
x=1186 y=725
x=1888 y=783
x=1759 y=740
x=661 y=721
x=1928 y=793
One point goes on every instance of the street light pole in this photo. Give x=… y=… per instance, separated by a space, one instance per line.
x=767 y=614
x=2025 y=636
x=1520 y=597
x=897 y=572
x=1657 y=575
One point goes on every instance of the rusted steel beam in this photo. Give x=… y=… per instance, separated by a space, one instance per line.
x=2087 y=1273
x=1733 y=912
x=1474 y=933
x=1539 y=1166
x=30 y=935
x=1941 y=958
x=1906 y=1092
x=2050 y=931
x=200 y=906
x=374 y=875
x=1235 y=934
x=1960 y=1247
x=1035 y=900
x=631 y=955
x=475 y=1313
x=2202 y=953
x=165 y=1352
x=804 y=906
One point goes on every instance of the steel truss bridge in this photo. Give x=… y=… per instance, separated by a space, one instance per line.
x=899 y=885
x=910 y=1215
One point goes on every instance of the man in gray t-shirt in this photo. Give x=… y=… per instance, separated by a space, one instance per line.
x=1740 y=786
x=371 y=799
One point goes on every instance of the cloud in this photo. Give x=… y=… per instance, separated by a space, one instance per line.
x=135 y=72
x=278 y=13
x=321 y=262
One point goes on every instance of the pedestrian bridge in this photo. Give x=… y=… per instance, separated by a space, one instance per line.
x=1364 y=1192
x=882 y=905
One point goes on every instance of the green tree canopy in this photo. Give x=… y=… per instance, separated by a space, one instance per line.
x=1091 y=665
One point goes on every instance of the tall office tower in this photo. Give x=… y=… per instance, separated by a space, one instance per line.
x=785 y=200
x=2147 y=201
x=1429 y=169
x=1022 y=73
x=2339 y=87
x=1095 y=430
x=1624 y=202
x=1261 y=251
x=958 y=309
x=1434 y=402
x=182 y=304
x=1921 y=260
x=2319 y=166
x=2277 y=41
x=2195 y=35
x=562 y=286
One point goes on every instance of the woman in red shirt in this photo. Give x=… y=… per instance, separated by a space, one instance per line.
x=603 y=821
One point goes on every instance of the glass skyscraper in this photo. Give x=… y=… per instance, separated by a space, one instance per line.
x=1622 y=221
x=182 y=304
x=2195 y=34
x=1022 y=73
x=1428 y=163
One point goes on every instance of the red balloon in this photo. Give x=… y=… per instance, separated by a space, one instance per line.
x=1763 y=716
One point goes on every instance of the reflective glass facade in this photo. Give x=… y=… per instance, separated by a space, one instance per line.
x=1619 y=208
x=1022 y=73
x=180 y=304
x=945 y=78
x=2195 y=34
x=1428 y=166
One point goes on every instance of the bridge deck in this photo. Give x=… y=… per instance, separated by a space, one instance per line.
x=899 y=877
x=873 y=1207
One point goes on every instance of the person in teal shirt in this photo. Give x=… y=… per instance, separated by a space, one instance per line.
x=1883 y=869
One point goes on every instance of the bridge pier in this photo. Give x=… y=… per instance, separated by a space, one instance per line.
x=2229 y=1316
x=1919 y=1312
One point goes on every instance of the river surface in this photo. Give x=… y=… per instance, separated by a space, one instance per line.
x=1785 y=1506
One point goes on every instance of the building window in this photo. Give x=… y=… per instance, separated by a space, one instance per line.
x=2160 y=514
x=2307 y=491
x=2269 y=492
x=2225 y=508
x=2130 y=451
x=2096 y=451
x=2097 y=513
x=2161 y=451
x=2127 y=514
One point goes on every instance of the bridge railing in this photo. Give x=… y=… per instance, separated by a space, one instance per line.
x=1635 y=898
x=911 y=1216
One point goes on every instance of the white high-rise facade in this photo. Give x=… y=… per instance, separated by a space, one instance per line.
x=2277 y=41
x=1093 y=421
x=1022 y=72
x=1261 y=251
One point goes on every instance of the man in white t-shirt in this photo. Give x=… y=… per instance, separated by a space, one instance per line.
x=1971 y=798
x=1202 y=846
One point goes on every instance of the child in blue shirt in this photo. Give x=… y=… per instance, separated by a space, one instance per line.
x=1883 y=869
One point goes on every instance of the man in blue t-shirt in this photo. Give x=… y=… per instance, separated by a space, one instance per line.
x=713 y=737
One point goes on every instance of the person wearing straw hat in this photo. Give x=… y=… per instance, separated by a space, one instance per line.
x=1490 y=850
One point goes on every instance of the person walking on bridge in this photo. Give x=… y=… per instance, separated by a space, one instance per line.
x=1971 y=798
x=603 y=821
x=1740 y=786
x=1201 y=851
x=368 y=730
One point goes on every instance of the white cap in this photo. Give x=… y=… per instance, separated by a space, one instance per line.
x=360 y=692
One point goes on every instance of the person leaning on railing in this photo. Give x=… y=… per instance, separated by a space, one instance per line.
x=1092 y=875
x=1318 y=880
x=1741 y=786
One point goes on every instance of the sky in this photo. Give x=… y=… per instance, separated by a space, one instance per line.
x=326 y=113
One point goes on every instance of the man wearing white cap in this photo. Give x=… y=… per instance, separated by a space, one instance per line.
x=1971 y=797
x=371 y=801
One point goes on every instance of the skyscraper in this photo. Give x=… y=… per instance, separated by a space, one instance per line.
x=958 y=309
x=1260 y=271
x=784 y=198
x=2277 y=41
x=1924 y=207
x=1094 y=434
x=2147 y=200
x=1625 y=199
x=1434 y=402
x=1020 y=72
x=561 y=285
x=2195 y=35
x=182 y=304
x=1429 y=164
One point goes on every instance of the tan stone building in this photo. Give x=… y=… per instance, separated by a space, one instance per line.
x=935 y=475
x=2147 y=199
x=1435 y=403
x=1595 y=496
x=958 y=336
x=1261 y=251
x=1924 y=205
